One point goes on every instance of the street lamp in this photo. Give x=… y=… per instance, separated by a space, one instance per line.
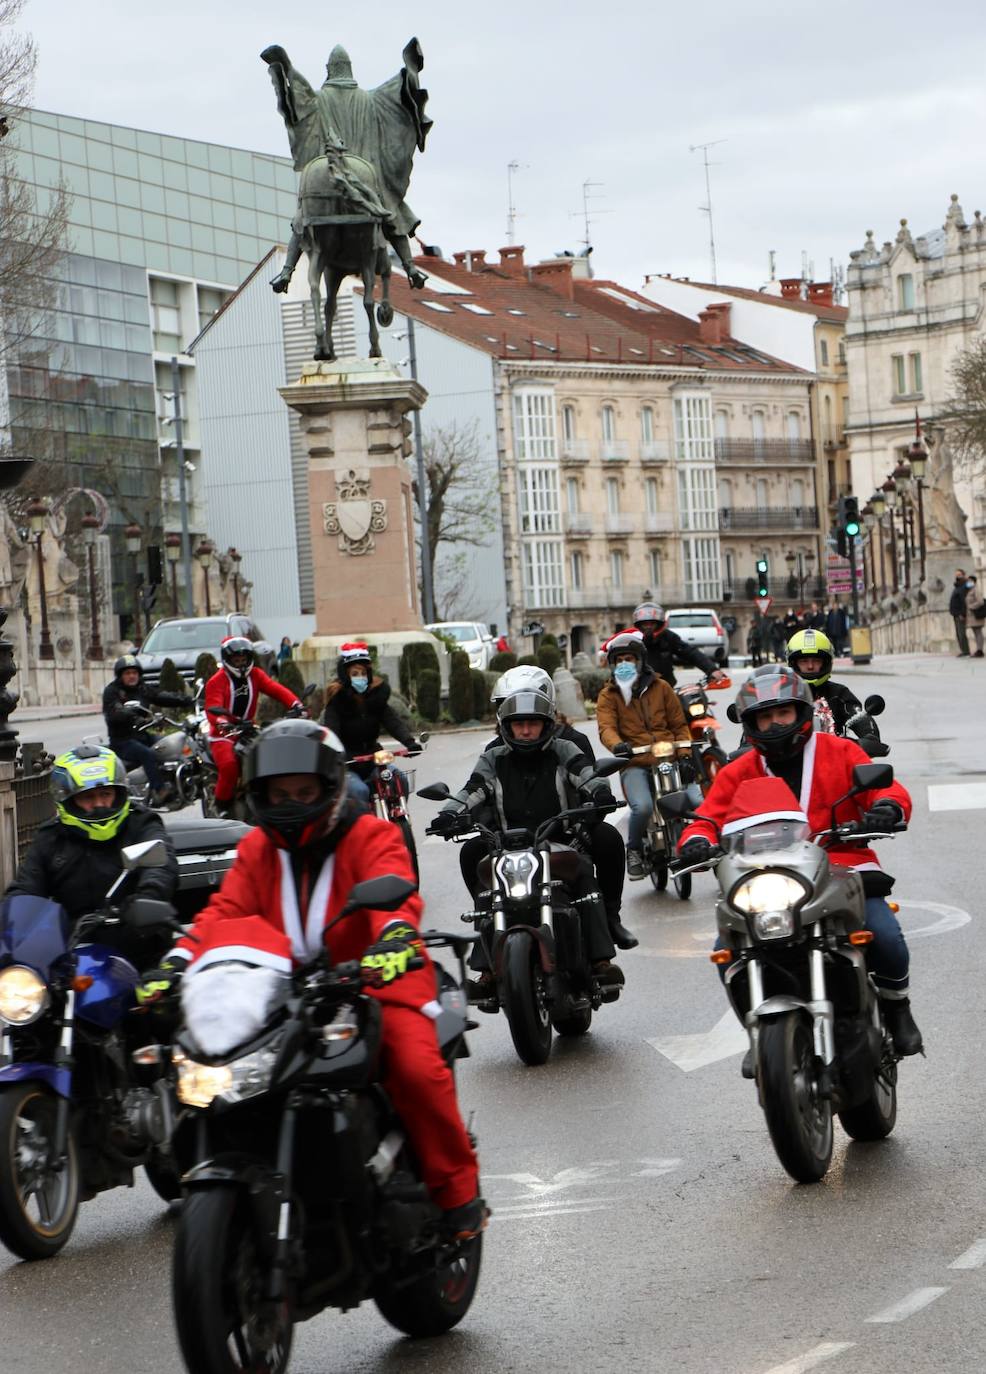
x=134 y=537
x=204 y=554
x=889 y=490
x=902 y=481
x=172 y=552
x=236 y=558
x=37 y=510
x=918 y=456
x=90 y=528
x=878 y=502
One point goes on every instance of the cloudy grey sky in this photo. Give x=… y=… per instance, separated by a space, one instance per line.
x=836 y=117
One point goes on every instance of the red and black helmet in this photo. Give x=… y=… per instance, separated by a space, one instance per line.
x=238 y=656
x=296 y=746
x=650 y=613
x=776 y=685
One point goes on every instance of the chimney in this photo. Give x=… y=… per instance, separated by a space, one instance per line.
x=791 y=288
x=820 y=292
x=512 y=260
x=472 y=259
x=557 y=275
x=714 y=324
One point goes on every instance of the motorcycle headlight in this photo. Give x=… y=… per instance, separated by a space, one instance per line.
x=23 y=995
x=200 y=1084
x=771 y=899
x=516 y=872
x=696 y=709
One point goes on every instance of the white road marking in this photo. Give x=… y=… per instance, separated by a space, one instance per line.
x=531 y=1207
x=571 y=1210
x=567 y=1178
x=973 y=1258
x=689 y=1052
x=914 y=1302
x=962 y=796
x=657 y=1168
x=949 y=918
x=811 y=1359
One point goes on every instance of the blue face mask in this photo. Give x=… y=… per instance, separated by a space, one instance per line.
x=625 y=672
x=358 y=684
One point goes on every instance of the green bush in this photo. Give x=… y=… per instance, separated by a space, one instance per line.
x=549 y=658
x=501 y=662
x=171 y=679
x=592 y=681
x=460 y=688
x=403 y=712
x=291 y=677
x=528 y=658
x=416 y=658
x=316 y=703
x=548 y=641
x=429 y=698
x=404 y=674
x=205 y=666
x=480 y=693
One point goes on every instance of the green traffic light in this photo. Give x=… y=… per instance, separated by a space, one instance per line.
x=852 y=528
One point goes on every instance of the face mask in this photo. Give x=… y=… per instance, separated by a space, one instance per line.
x=358 y=684
x=625 y=672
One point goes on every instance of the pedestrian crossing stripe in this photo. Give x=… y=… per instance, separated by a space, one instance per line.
x=963 y=796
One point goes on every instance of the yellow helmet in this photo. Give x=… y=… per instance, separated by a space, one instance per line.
x=811 y=644
x=81 y=770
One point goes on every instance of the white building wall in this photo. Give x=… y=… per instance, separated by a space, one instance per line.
x=785 y=334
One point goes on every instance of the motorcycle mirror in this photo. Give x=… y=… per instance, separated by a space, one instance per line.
x=309 y=689
x=866 y=777
x=874 y=705
x=605 y=768
x=676 y=805
x=435 y=791
x=148 y=854
x=386 y=893
x=147 y=913
x=732 y=713
x=425 y=736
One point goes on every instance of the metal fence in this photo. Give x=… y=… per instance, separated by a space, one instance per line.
x=35 y=805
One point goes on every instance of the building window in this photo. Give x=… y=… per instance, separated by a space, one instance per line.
x=722 y=424
x=725 y=494
x=165 y=315
x=568 y=421
x=538 y=500
x=572 y=495
x=693 y=428
x=650 y=496
x=728 y=568
x=900 y=376
x=823 y=350
x=793 y=427
x=576 y=568
x=654 y=567
x=700 y=559
x=759 y=421
x=608 y=424
x=613 y=495
x=697 y=498
x=842 y=350
x=616 y=567
x=543 y=573
x=905 y=291
x=647 y=425
x=797 y=495
x=763 y=498
x=534 y=425
x=917 y=376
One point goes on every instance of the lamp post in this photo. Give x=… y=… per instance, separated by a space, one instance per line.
x=803 y=561
x=37 y=510
x=204 y=554
x=90 y=528
x=869 y=522
x=902 y=481
x=236 y=558
x=890 y=496
x=172 y=552
x=878 y=502
x=918 y=457
x=134 y=536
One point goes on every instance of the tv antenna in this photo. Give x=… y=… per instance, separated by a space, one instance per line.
x=589 y=212
x=512 y=167
x=706 y=209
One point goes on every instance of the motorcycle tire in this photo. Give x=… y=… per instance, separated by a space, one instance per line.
x=522 y=996
x=713 y=759
x=659 y=876
x=217 y=1280
x=574 y=1023
x=875 y=1117
x=164 y=1177
x=405 y=828
x=799 y=1122
x=432 y=1305
x=35 y=1223
x=683 y=886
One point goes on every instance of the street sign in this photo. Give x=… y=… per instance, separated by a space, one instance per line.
x=764 y=603
x=533 y=627
x=563 y=641
x=838 y=579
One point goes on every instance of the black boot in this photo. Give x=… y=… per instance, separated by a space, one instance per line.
x=622 y=938
x=901 y=1024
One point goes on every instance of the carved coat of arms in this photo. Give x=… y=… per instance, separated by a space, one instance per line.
x=355 y=516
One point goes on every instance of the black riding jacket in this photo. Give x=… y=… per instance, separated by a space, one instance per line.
x=121 y=723
x=845 y=705
x=667 y=648
x=566 y=732
x=359 y=719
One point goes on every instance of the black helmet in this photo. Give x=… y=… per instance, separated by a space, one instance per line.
x=629 y=642
x=124 y=662
x=527 y=705
x=776 y=685
x=649 y=612
x=296 y=746
x=238 y=656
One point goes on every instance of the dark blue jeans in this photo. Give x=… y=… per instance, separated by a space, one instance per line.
x=139 y=755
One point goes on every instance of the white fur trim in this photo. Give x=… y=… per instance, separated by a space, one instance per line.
x=245 y=954
x=432 y=1010
x=307 y=942
x=228 y=1005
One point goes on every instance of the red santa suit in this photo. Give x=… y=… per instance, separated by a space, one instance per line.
x=826 y=775
x=419 y=1082
x=236 y=697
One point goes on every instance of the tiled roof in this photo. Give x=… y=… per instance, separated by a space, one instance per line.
x=510 y=314
x=838 y=314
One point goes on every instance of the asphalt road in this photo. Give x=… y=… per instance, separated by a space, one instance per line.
x=641 y=1220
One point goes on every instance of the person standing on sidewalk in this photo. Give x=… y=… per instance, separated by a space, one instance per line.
x=974 y=622
x=957 y=610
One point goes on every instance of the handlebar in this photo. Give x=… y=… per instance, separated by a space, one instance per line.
x=399 y=753
x=466 y=823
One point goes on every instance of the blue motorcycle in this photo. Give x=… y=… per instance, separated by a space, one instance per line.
x=84 y=1098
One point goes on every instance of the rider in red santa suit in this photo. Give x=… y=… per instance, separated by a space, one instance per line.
x=310 y=847
x=235 y=690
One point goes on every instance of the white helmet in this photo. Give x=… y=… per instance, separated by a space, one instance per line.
x=527 y=677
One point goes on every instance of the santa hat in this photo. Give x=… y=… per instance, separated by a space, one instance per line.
x=245 y=940
x=762 y=799
x=354 y=652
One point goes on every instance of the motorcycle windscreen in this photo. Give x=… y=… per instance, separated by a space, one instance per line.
x=110 y=993
x=33 y=931
x=772 y=835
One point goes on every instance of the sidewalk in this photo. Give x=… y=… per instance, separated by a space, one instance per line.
x=54 y=712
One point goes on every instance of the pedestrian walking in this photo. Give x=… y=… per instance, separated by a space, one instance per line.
x=754 y=642
x=778 y=640
x=958 y=611
x=837 y=627
x=286 y=650
x=975 y=613
x=814 y=619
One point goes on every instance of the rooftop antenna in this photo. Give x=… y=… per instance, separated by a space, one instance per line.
x=838 y=277
x=706 y=209
x=588 y=212
x=772 y=263
x=512 y=167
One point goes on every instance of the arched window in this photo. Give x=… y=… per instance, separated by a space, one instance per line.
x=759 y=421
x=647 y=425
x=568 y=421
x=763 y=500
x=609 y=423
x=651 y=496
x=793 y=427
x=722 y=424
x=725 y=493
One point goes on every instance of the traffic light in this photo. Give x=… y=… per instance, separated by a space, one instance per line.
x=851 y=516
x=762 y=571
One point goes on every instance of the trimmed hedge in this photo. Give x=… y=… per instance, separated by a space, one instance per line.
x=528 y=658
x=549 y=658
x=592 y=681
x=416 y=658
x=429 y=698
x=480 y=693
x=460 y=687
x=171 y=679
x=205 y=666
x=503 y=661
x=548 y=641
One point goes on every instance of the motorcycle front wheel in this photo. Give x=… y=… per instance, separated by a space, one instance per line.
x=432 y=1305
x=523 y=998
x=404 y=825
x=164 y=1176
x=38 y=1202
x=219 y=1277
x=798 y=1119
x=876 y=1116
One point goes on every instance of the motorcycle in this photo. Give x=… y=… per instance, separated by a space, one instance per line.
x=824 y=723
x=182 y=756
x=242 y=732
x=531 y=929
x=666 y=775
x=305 y=1193
x=388 y=793
x=792 y=927
x=83 y=1102
x=704 y=727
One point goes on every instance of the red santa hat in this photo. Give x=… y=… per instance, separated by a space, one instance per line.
x=355 y=652
x=244 y=940
x=762 y=799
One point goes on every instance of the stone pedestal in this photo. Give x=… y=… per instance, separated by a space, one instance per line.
x=355 y=428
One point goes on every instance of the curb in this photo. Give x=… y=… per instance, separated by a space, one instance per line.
x=35 y=713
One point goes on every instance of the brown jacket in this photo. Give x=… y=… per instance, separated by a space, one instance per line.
x=653 y=713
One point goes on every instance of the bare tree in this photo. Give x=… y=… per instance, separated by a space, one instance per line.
x=966 y=408
x=462 y=501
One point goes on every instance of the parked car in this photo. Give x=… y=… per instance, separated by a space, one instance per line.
x=701 y=626
x=182 y=640
x=471 y=636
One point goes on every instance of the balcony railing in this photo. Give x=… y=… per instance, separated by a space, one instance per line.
x=658 y=521
x=656 y=451
x=578 y=525
x=614 y=450
x=757 y=518
x=621 y=524
x=574 y=450
x=772 y=452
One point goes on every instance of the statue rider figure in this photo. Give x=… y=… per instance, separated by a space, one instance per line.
x=383 y=127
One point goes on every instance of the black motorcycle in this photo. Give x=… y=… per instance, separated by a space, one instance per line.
x=530 y=926
x=306 y=1194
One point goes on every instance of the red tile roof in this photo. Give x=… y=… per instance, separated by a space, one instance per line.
x=838 y=314
x=510 y=312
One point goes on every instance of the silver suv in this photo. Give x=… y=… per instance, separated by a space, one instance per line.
x=183 y=640
x=471 y=636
